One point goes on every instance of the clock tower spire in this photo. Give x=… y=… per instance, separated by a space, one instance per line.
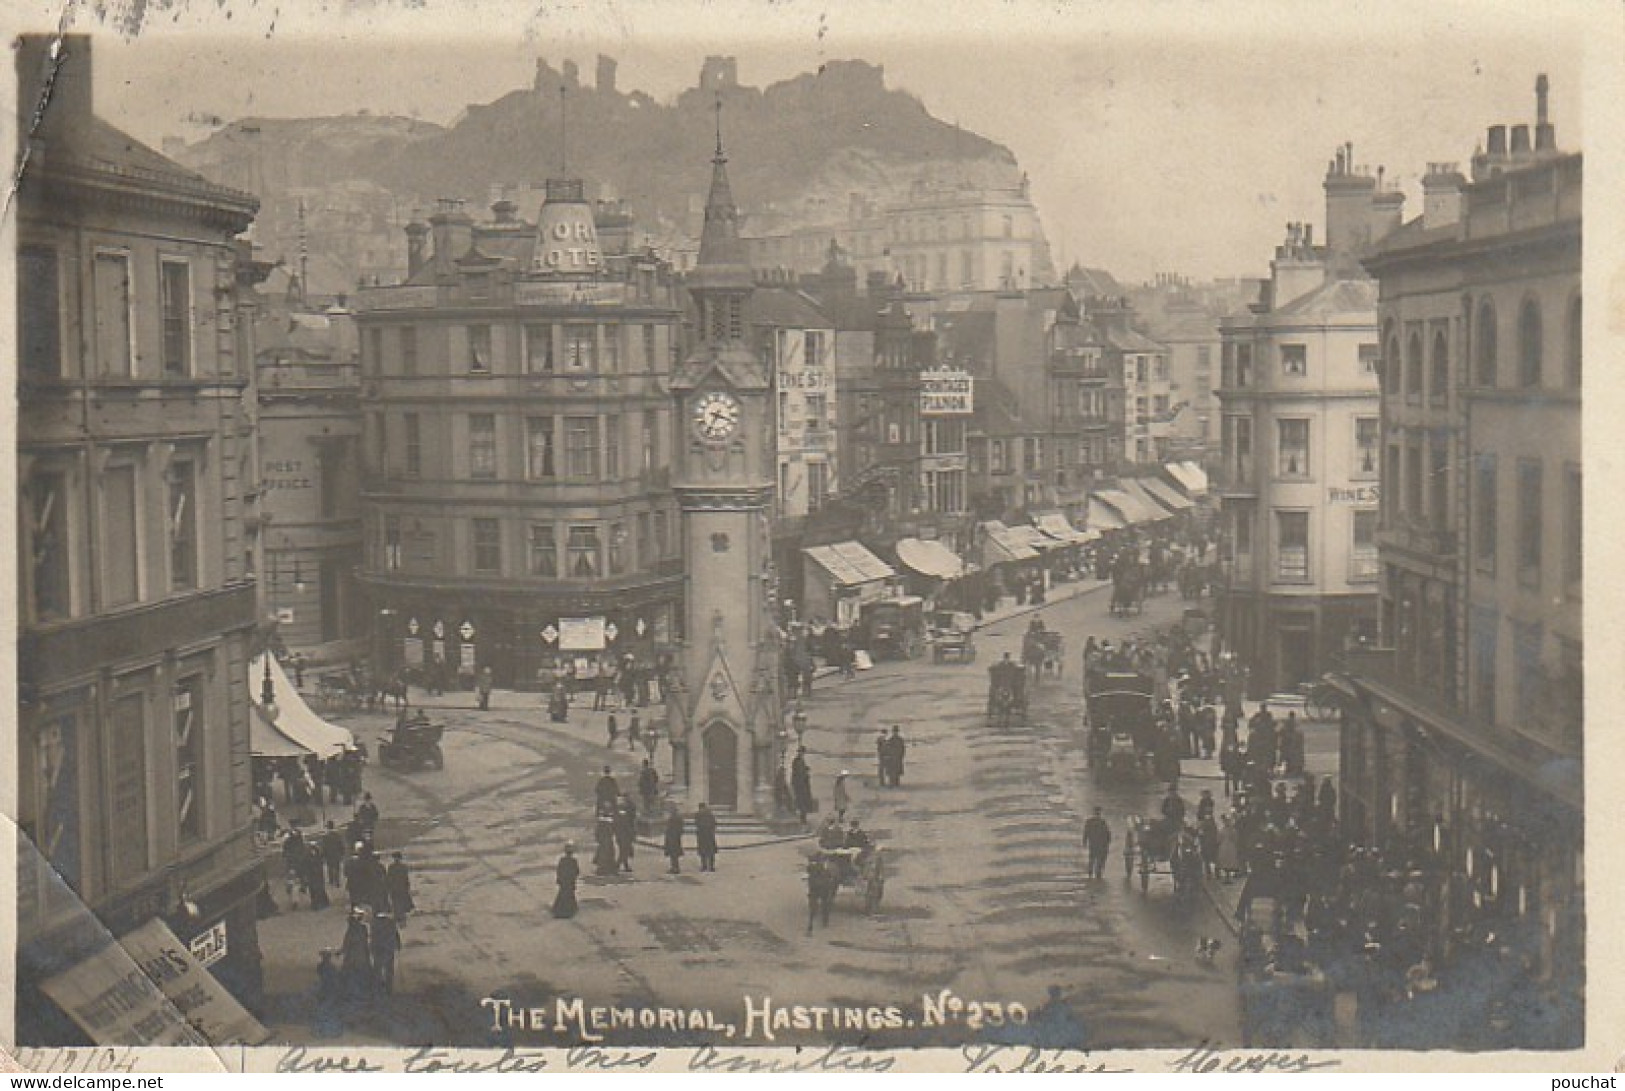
x=725 y=719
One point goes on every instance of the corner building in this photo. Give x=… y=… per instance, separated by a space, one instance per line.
x=136 y=591
x=1300 y=441
x=518 y=511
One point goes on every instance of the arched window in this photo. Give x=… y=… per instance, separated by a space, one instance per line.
x=1529 y=343
x=1413 y=366
x=1575 y=338
x=1485 y=350
x=1389 y=372
x=1439 y=380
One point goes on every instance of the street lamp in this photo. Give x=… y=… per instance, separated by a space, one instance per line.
x=268 y=691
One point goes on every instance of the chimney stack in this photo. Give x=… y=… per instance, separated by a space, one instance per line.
x=1496 y=146
x=1441 y=195
x=1520 y=142
x=65 y=64
x=417 y=233
x=1545 y=131
x=453 y=231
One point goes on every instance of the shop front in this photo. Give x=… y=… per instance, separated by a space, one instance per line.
x=527 y=640
x=841 y=580
x=1493 y=831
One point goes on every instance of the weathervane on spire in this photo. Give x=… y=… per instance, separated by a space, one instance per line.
x=720 y=158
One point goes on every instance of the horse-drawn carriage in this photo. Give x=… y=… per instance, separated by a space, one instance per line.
x=895 y=628
x=953 y=636
x=1120 y=715
x=1128 y=591
x=413 y=743
x=342 y=692
x=1155 y=846
x=1006 y=693
x=828 y=870
x=1043 y=652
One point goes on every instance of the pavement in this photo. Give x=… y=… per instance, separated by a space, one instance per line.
x=985 y=899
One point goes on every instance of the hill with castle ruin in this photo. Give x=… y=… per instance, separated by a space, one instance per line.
x=335 y=191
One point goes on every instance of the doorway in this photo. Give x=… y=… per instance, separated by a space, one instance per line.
x=721 y=765
x=1296 y=655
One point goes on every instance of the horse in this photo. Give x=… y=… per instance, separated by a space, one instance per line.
x=387 y=688
x=823 y=881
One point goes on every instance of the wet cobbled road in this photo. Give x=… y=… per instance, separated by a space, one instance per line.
x=986 y=901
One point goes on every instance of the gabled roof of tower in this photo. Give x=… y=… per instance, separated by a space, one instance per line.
x=731 y=359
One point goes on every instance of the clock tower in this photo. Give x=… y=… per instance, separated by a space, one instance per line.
x=725 y=719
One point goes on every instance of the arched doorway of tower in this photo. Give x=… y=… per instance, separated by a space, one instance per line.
x=721 y=764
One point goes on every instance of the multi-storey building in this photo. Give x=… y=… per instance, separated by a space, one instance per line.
x=939 y=237
x=1301 y=448
x=1142 y=365
x=797 y=345
x=136 y=594
x=1183 y=316
x=1463 y=743
x=518 y=445
x=1086 y=409
x=309 y=435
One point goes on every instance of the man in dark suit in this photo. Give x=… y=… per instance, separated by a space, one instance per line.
x=1097 y=840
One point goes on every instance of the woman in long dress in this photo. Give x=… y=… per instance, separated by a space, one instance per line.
x=842 y=799
x=569 y=870
x=355 y=958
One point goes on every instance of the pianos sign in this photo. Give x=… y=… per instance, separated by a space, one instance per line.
x=946 y=393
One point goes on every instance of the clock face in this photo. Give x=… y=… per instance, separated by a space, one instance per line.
x=716 y=415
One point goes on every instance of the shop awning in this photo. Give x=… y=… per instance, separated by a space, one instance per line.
x=1033 y=538
x=1057 y=527
x=1139 y=488
x=1166 y=494
x=265 y=741
x=294 y=720
x=1136 y=488
x=1189 y=475
x=1000 y=546
x=1103 y=517
x=849 y=563
x=929 y=557
x=1133 y=509
x=147 y=989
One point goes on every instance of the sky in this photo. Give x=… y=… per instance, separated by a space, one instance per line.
x=1162 y=136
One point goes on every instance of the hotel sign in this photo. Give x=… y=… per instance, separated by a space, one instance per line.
x=946 y=394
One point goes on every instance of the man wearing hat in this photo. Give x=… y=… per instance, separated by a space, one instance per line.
x=386 y=941
x=842 y=799
x=398 y=882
